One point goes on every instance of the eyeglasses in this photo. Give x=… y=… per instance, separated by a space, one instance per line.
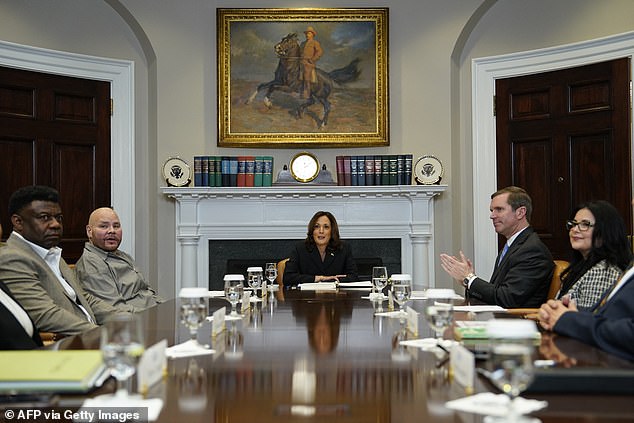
x=584 y=225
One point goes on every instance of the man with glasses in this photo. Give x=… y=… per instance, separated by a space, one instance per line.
x=38 y=277
x=524 y=267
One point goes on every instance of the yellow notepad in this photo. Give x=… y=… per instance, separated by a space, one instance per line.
x=49 y=371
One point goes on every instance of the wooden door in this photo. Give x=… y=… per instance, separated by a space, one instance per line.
x=55 y=131
x=564 y=136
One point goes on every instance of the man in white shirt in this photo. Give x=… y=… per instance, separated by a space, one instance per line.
x=17 y=331
x=38 y=277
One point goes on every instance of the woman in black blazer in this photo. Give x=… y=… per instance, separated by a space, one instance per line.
x=322 y=256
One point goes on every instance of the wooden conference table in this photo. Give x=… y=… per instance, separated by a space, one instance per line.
x=305 y=356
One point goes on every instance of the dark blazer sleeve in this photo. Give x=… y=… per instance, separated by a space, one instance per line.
x=12 y=334
x=611 y=329
x=303 y=265
x=523 y=277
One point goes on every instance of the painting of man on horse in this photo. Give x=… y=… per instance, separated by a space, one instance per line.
x=325 y=83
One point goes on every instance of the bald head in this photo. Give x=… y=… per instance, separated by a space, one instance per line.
x=104 y=229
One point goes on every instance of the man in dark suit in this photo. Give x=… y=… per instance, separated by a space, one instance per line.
x=609 y=325
x=38 y=277
x=17 y=331
x=524 y=267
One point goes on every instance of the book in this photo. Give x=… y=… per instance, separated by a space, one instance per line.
x=267 y=174
x=347 y=175
x=392 y=169
x=361 y=170
x=224 y=166
x=50 y=370
x=408 y=169
x=250 y=171
x=339 y=162
x=385 y=170
x=377 y=170
x=211 y=164
x=400 y=169
x=258 y=171
x=233 y=171
x=218 y=171
x=354 y=171
x=204 y=171
x=198 y=175
x=369 y=170
x=241 y=180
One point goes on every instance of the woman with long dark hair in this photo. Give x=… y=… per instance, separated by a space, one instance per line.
x=322 y=256
x=601 y=252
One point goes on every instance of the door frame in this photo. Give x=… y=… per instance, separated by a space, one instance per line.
x=484 y=72
x=120 y=74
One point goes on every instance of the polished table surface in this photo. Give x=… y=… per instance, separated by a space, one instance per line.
x=305 y=356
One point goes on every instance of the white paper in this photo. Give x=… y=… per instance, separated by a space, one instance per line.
x=153 y=405
x=360 y=284
x=421 y=295
x=216 y=294
x=412 y=320
x=151 y=366
x=218 y=321
x=187 y=349
x=463 y=365
x=478 y=308
x=492 y=404
x=318 y=286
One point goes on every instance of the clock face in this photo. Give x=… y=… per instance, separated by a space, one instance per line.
x=304 y=167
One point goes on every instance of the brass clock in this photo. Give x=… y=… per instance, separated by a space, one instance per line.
x=304 y=167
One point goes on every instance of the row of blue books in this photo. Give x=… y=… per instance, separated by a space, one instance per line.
x=385 y=169
x=233 y=171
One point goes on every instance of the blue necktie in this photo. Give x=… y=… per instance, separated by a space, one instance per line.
x=504 y=250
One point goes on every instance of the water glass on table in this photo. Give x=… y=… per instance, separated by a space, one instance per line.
x=379 y=280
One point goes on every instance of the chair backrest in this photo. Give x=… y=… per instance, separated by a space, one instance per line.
x=555 y=282
x=281 y=265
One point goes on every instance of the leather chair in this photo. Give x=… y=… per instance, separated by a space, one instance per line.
x=555 y=285
x=281 y=265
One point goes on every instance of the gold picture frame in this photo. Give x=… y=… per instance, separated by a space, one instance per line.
x=263 y=100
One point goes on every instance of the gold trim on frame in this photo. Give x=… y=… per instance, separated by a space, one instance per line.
x=359 y=114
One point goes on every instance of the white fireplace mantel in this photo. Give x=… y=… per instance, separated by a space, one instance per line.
x=205 y=214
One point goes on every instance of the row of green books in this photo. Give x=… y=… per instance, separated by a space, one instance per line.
x=386 y=169
x=233 y=171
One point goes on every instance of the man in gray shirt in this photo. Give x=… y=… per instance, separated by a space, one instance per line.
x=108 y=273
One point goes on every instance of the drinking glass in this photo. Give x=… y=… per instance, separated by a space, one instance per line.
x=439 y=316
x=254 y=278
x=234 y=286
x=379 y=278
x=401 y=289
x=194 y=310
x=511 y=362
x=271 y=274
x=122 y=346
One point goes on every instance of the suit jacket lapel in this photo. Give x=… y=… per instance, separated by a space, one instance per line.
x=502 y=268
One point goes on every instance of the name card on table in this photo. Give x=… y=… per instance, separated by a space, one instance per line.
x=218 y=321
x=246 y=301
x=152 y=366
x=463 y=365
x=412 y=320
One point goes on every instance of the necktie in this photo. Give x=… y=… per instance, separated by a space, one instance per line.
x=504 y=250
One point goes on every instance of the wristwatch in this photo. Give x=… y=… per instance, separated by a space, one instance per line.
x=469 y=278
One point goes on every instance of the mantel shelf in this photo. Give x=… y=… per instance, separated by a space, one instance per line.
x=210 y=214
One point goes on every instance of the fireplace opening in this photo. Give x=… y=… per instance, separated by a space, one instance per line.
x=235 y=256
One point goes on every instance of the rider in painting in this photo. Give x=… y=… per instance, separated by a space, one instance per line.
x=311 y=53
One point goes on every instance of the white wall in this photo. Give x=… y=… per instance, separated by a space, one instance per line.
x=432 y=43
